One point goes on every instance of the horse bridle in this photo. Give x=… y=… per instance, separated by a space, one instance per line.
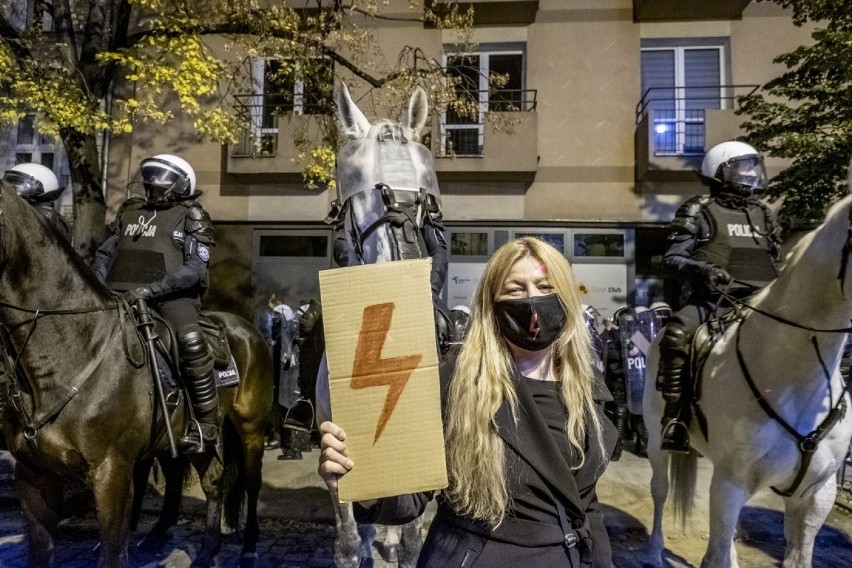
x=808 y=444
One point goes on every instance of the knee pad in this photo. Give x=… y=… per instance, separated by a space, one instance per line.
x=192 y=346
x=676 y=338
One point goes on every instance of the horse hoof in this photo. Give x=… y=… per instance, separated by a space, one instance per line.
x=390 y=553
x=366 y=563
x=248 y=560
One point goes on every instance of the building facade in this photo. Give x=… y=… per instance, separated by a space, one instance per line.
x=613 y=103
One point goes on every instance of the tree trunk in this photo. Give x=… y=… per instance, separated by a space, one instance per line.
x=89 y=205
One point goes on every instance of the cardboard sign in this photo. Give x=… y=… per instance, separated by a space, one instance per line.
x=383 y=375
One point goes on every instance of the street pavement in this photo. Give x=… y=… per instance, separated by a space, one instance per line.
x=297 y=528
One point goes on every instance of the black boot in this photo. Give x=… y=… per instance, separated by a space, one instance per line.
x=640 y=432
x=617 y=413
x=201 y=387
x=673 y=374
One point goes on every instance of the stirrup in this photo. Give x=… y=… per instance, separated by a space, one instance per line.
x=675 y=437
x=194 y=442
x=289 y=424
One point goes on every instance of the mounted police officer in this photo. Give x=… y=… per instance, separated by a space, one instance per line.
x=725 y=241
x=38 y=185
x=159 y=251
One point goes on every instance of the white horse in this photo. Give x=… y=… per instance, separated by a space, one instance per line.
x=381 y=164
x=786 y=351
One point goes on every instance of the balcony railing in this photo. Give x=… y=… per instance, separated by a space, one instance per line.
x=463 y=136
x=677 y=115
x=262 y=112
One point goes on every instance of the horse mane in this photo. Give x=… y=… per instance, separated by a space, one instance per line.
x=29 y=217
x=805 y=245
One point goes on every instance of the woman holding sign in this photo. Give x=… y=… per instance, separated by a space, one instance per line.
x=525 y=433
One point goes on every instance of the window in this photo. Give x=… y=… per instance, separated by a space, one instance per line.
x=293 y=245
x=30 y=146
x=556 y=240
x=679 y=82
x=469 y=244
x=462 y=134
x=283 y=87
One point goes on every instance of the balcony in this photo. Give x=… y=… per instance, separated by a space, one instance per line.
x=497 y=12
x=676 y=125
x=502 y=145
x=679 y=11
x=267 y=146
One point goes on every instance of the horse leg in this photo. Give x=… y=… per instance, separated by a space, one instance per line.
x=659 y=461
x=210 y=472
x=728 y=495
x=141 y=472
x=803 y=517
x=112 y=484
x=367 y=534
x=252 y=483
x=347 y=543
x=410 y=543
x=390 y=546
x=41 y=501
x=173 y=470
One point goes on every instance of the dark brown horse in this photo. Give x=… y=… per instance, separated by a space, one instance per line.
x=84 y=406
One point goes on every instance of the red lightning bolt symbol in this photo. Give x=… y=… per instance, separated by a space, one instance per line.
x=370 y=370
x=534 y=329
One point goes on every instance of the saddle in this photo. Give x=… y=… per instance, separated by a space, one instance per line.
x=703 y=341
x=224 y=367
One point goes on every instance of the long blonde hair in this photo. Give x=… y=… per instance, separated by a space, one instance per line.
x=483 y=379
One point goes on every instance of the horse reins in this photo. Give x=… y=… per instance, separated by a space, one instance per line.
x=32 y=426
x=809 y=443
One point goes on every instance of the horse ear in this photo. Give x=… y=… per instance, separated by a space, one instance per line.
x=418 y=109
x=352 y=121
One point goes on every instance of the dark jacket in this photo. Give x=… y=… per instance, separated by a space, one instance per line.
x=169 y=253
x=537 y=469
x=735 y=233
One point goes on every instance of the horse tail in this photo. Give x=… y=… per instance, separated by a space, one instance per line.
x=234 y=478
x=683 y=474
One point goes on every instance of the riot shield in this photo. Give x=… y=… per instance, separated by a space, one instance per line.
x=637 y=331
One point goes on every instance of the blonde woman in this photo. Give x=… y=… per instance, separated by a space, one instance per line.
x=525 y=436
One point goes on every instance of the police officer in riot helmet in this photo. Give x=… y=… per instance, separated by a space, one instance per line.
x=727 y=242
x=159 y=251
x=38 y=185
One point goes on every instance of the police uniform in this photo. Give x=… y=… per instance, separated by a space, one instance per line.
x=734 y=233
x=165 y=248
x=724 y=231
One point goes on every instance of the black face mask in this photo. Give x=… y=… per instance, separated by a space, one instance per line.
x=531 y=323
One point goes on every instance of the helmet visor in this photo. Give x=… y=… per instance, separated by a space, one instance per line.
x=161 y=181
x=747 y=171
x=25 y=185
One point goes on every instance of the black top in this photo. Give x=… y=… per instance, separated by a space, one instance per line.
x=532 y=501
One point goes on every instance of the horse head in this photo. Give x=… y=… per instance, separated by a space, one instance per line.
x=38 y=267
x=386 y=181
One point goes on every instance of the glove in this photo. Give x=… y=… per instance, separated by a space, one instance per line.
x=142 y=293
x=717 y=276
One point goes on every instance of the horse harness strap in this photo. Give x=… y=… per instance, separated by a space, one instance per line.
x=807 y=444
x=34 y=425
x=397 y=214
x=847 y=250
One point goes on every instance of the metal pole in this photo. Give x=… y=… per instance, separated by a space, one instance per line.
x=146 y=324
